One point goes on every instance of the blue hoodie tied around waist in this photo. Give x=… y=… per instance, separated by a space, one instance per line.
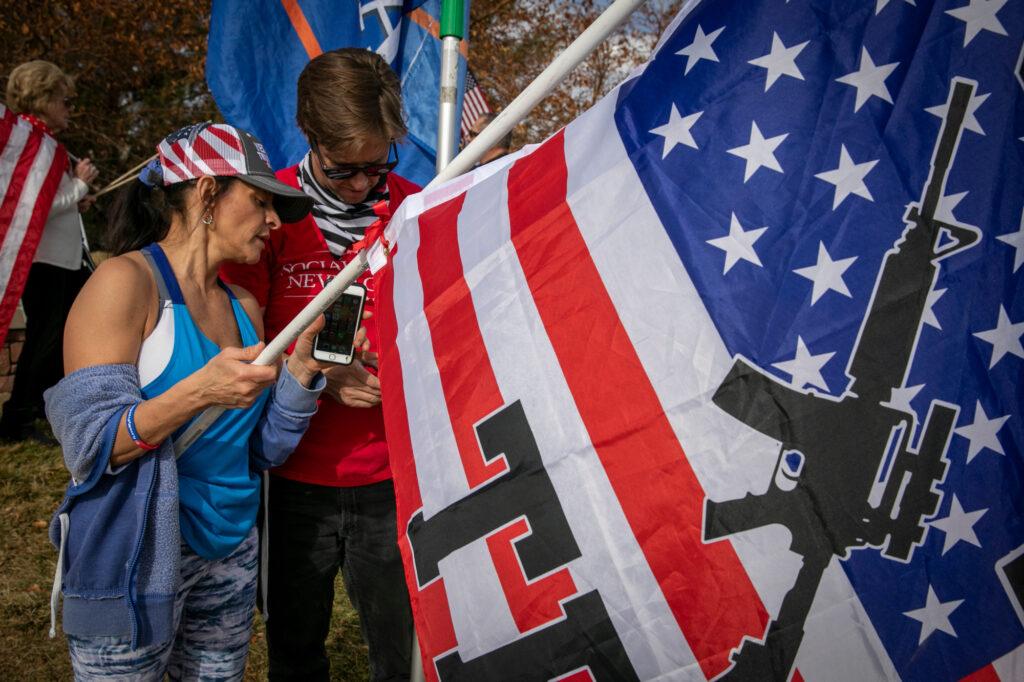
x=118 y=533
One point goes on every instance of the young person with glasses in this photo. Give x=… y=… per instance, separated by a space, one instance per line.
x=331 y=507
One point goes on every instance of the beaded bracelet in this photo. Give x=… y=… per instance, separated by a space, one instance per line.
x=133 y=433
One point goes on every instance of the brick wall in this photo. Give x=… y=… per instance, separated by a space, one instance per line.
x=10 y=353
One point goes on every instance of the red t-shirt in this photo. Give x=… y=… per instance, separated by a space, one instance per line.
x=344 y=446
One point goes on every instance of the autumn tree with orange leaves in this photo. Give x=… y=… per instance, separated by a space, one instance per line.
x=512 y=41
x=139 y=66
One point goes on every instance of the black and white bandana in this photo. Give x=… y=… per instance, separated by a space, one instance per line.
x=342 y=224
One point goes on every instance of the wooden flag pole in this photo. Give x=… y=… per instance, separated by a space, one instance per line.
x=124 y=178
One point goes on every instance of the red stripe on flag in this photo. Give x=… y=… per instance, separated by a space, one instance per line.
x=7 y=124
x=471 y=392
x=534 y=603
x=212 y=158
x=470 y=388
x=224 y=136
x=429 y=606
x=191 y=169
x=33 y=231
x=705 y=585
x=17 y=182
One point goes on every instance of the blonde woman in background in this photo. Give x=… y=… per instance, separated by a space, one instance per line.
x=41 y=94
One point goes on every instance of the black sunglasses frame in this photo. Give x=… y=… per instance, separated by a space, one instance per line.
x=346 y=171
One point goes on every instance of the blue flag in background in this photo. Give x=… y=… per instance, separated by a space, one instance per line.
x=257 y=48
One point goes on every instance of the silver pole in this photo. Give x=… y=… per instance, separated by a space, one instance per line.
x=543 y=84
x=447 y=120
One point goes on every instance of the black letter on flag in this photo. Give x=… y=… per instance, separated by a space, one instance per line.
x=585 y=637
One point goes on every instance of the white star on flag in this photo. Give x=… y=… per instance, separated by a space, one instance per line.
x=827 y=274
x=869 y=80
x=700 y=48
x=1016 y=240
x=959 y=526
x=978 y=16
x=781 y=61
x=929 y=317
x=880 y=5
x=738 y=245
x=970 y=117
x=677 y=131
x=1005 y=338
x=804 y=368
x=848 y=178
x=934 y=615
x=759 y=152
x=983 y=433
x=902 y=397
x=948 y=204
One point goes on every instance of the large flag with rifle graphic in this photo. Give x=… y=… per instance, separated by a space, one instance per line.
x=257 y=48
x=724 y=379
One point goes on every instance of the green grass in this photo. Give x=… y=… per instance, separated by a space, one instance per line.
x=32 y=480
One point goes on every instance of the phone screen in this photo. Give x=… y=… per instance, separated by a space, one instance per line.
x=341 y=323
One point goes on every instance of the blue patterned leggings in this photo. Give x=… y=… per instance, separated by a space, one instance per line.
x=213 y=621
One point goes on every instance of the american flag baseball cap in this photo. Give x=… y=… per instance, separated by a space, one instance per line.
x=224 y=150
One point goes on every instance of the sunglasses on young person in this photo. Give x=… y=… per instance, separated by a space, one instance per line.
x=344 y=171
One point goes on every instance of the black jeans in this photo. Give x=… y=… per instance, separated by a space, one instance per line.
x=315 y=531
x=49 y=293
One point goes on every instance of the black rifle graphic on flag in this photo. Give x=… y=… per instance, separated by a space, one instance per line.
x=835 y=449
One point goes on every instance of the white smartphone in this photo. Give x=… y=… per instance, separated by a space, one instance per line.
x=335 y=342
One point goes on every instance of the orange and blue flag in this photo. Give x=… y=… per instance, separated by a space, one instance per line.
x=257 y=49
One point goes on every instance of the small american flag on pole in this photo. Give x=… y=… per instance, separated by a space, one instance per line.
x=474 y=104
x=31 y=164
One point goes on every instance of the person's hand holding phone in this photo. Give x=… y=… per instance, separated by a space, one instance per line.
x=352 y=384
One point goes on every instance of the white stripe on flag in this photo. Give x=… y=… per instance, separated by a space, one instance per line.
x=23 y=212
x=527 y=369
x=430 y=432
x=169 y=175
x=228 y=154
x=199 y=162
x=686 y=359
x=1011 y=666
x=11 y=153
x=480 y=614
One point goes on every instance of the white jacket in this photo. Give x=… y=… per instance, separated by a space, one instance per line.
x=63 y=234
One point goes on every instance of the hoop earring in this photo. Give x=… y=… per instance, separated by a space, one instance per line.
x=208 y=219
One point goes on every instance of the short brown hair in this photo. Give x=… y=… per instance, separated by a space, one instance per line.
x=348 y=96
x=32 y=84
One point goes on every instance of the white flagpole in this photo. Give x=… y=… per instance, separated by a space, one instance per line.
x=452 y=18
x=554 y=74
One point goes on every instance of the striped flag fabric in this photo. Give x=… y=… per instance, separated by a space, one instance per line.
x=723 y=380
x=31 y=165
x=474 y=104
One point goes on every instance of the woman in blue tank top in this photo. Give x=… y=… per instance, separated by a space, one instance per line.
x=159 y=306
